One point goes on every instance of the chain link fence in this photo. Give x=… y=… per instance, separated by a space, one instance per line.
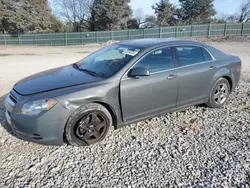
x=189 y=31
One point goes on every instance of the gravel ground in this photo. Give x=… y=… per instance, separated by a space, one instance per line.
x=195 y=147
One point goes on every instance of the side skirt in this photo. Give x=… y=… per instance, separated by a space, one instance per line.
x=163 y=113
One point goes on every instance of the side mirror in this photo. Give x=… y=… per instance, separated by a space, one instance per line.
x=138 y=71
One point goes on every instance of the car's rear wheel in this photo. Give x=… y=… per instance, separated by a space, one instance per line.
x=88 y=125
x=219 y=93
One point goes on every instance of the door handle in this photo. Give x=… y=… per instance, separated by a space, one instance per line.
x=212 y=67
x=171 y=77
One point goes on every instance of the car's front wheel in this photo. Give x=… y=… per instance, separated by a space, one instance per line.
x=219 y=93
x=88 y=125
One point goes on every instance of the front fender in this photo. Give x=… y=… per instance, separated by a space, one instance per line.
x=106 y=96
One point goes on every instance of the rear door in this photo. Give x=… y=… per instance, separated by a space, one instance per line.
x=150 y=95
x=196 y=70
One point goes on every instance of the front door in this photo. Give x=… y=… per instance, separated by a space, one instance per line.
x=146 y=96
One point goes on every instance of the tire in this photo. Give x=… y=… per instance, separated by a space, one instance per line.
x=219 y=94
x=85 y=126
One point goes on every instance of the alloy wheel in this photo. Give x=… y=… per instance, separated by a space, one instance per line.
x=221 y=93
x=91 y=127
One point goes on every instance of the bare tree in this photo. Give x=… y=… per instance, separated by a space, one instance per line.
x=232 y=18
x=73 y=11
x=227 y=18
x=139 y=15
x=245 y=12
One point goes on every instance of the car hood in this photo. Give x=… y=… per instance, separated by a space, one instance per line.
x=57 y=78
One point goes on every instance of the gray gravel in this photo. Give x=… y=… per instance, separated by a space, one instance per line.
x=195 y=147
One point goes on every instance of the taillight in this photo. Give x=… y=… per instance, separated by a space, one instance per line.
x=236 y=69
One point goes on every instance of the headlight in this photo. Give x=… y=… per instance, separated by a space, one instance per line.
x=37 y=107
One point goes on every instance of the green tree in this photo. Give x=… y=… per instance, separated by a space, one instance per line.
x=37 y=15
x=164 y=11
x=109 y=14
x=1 y=15
x=133 y=24
x=197 y=11
x=10 y=20
x=25 y=16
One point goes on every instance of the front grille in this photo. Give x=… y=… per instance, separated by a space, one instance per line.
x=12 y=98
x=10 y=103
x=8 y=112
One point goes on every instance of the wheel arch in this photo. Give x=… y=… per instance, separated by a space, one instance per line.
x=73 y=106
x=226 y=74
x=104 y=105
x=230 y=82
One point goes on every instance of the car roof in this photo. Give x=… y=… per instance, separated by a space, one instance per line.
x=146 y=43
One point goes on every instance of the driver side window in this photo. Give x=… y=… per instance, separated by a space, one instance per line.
x=158 y=60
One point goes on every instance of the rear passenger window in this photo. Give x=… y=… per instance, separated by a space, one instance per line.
x=158 y=60
x=207 y=56
x=189 y=55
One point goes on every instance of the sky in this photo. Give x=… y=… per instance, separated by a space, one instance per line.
x=221 y=6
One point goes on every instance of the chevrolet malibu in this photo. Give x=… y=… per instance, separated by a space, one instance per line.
x=120 y=84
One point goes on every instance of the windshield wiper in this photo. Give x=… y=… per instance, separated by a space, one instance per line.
x=75 y=66
x=92 y=73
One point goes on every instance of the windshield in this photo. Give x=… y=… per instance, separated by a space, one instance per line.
x=108 y=61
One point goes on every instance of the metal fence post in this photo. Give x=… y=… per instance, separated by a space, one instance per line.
x=191 y=33
x=18 y=36
x=81 y=38
x=128 y=34
x=225 y=29
x=209 y=31
x=96 y=37
x=66 y=39
x=4 y=37
x=143 y=33
x=50 y=39
x=160 y=31
x=242 y=29
x=176 y=31
x=35 y=39
x=112 y=35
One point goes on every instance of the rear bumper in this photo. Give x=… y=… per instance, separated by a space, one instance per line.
x=237 y=70
x=236 y=82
